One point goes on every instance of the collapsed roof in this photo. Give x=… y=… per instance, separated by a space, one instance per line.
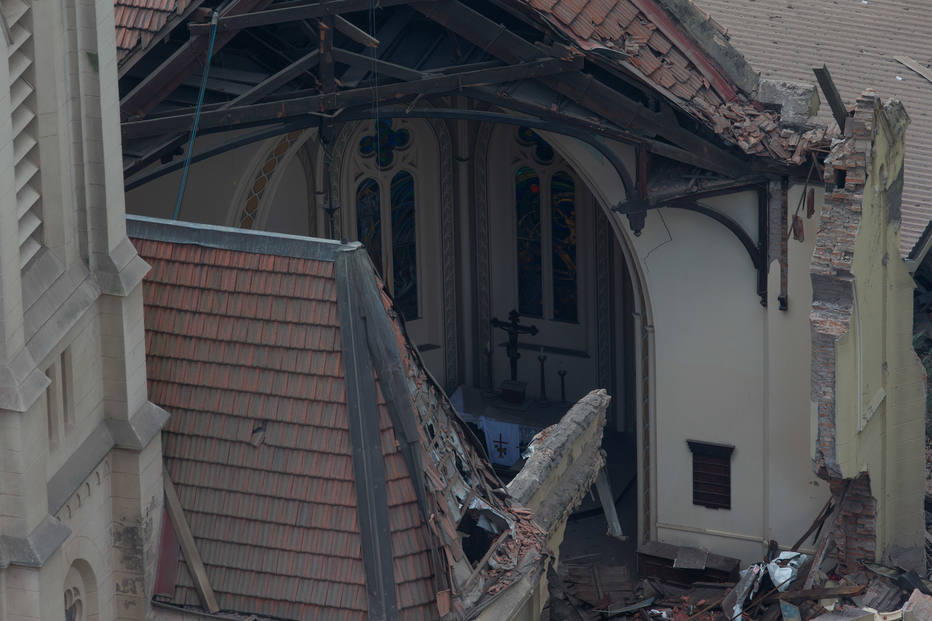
x=271 y=352
x=786 y=40
x=657 y=73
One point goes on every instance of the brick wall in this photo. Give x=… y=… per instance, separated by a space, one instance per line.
x=855 y=535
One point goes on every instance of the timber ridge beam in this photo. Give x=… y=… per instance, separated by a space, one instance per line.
x=238 y=117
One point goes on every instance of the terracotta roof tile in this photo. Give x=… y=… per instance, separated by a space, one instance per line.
x=784 y=41
x=139 y=22
x=653 y=47
x=236 y=342
x=246 y=353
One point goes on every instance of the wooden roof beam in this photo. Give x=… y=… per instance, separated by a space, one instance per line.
x=584 y=89
x=156 y=86
x=188 y=546
x=354 y=32
x=260 y=90
x=312 y=9
x=276 y=111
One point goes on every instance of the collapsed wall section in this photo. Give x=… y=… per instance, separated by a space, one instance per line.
x=866 y=381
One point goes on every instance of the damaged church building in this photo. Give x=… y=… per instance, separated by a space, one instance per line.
x=381 y=293
x=660 y=220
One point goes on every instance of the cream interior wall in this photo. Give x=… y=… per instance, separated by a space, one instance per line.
x=288 y=209
x=793 y=492
x=724 y=369
x=210 y=187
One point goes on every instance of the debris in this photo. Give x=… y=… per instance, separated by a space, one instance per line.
x=607 y=499
x=747 y=586
x=659 y=560
x=848 y=614
x=908 y=62
x=784 y=568
x=841 y=591
x=789 y=612
x=918 y=607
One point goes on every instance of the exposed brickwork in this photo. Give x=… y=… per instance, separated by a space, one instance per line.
x=855 y=535
x=832 y=281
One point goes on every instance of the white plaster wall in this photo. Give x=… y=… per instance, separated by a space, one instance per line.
x=794 y=494
x=725 y=369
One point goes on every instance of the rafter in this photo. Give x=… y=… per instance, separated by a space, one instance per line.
x=391 y=69
x=296 y=12
x=354 y=32
x=264 y=113
x=165 y=78
x=269 y=85
x=584 y=89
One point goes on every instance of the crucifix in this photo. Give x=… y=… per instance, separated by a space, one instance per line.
x=513 y=390
x=513 y=328
x=501 y=447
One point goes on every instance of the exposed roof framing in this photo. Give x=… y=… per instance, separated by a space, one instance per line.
x=309 y=9
x=581 y=87
x=173 y=71
x=264 y=113
x=334 y=59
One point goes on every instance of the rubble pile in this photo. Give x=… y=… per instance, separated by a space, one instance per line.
x=677 y=583
x=875 y=593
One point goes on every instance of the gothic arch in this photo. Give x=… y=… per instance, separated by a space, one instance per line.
x=425 y=133
x=608 y=189
x=250 y=206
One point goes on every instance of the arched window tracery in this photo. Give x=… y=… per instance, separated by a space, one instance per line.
x=386 y=218
x=545 y=232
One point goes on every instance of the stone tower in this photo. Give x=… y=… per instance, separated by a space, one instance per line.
x=80 y=453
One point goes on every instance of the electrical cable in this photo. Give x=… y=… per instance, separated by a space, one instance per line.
x=215 y=21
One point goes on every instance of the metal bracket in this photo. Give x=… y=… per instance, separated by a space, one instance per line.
x=636 y=211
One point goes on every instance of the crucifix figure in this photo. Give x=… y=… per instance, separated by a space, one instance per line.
x=501 y=446
x=513 y=329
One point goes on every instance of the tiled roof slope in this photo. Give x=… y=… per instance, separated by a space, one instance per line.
x=138 y=22
x=646 y=40
x=247 y=338
x=858 y=42
x=238 y=341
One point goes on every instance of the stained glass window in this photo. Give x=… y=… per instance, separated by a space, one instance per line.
x=404 y=245
x=369 y=220
x=382 y=142
x=563 y=242
x=543 y=152
x=527 y=213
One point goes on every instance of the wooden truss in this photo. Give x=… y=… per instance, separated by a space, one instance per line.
x=570 y=81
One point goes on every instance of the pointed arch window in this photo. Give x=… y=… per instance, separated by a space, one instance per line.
x=545 y=233
x=386 y=221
